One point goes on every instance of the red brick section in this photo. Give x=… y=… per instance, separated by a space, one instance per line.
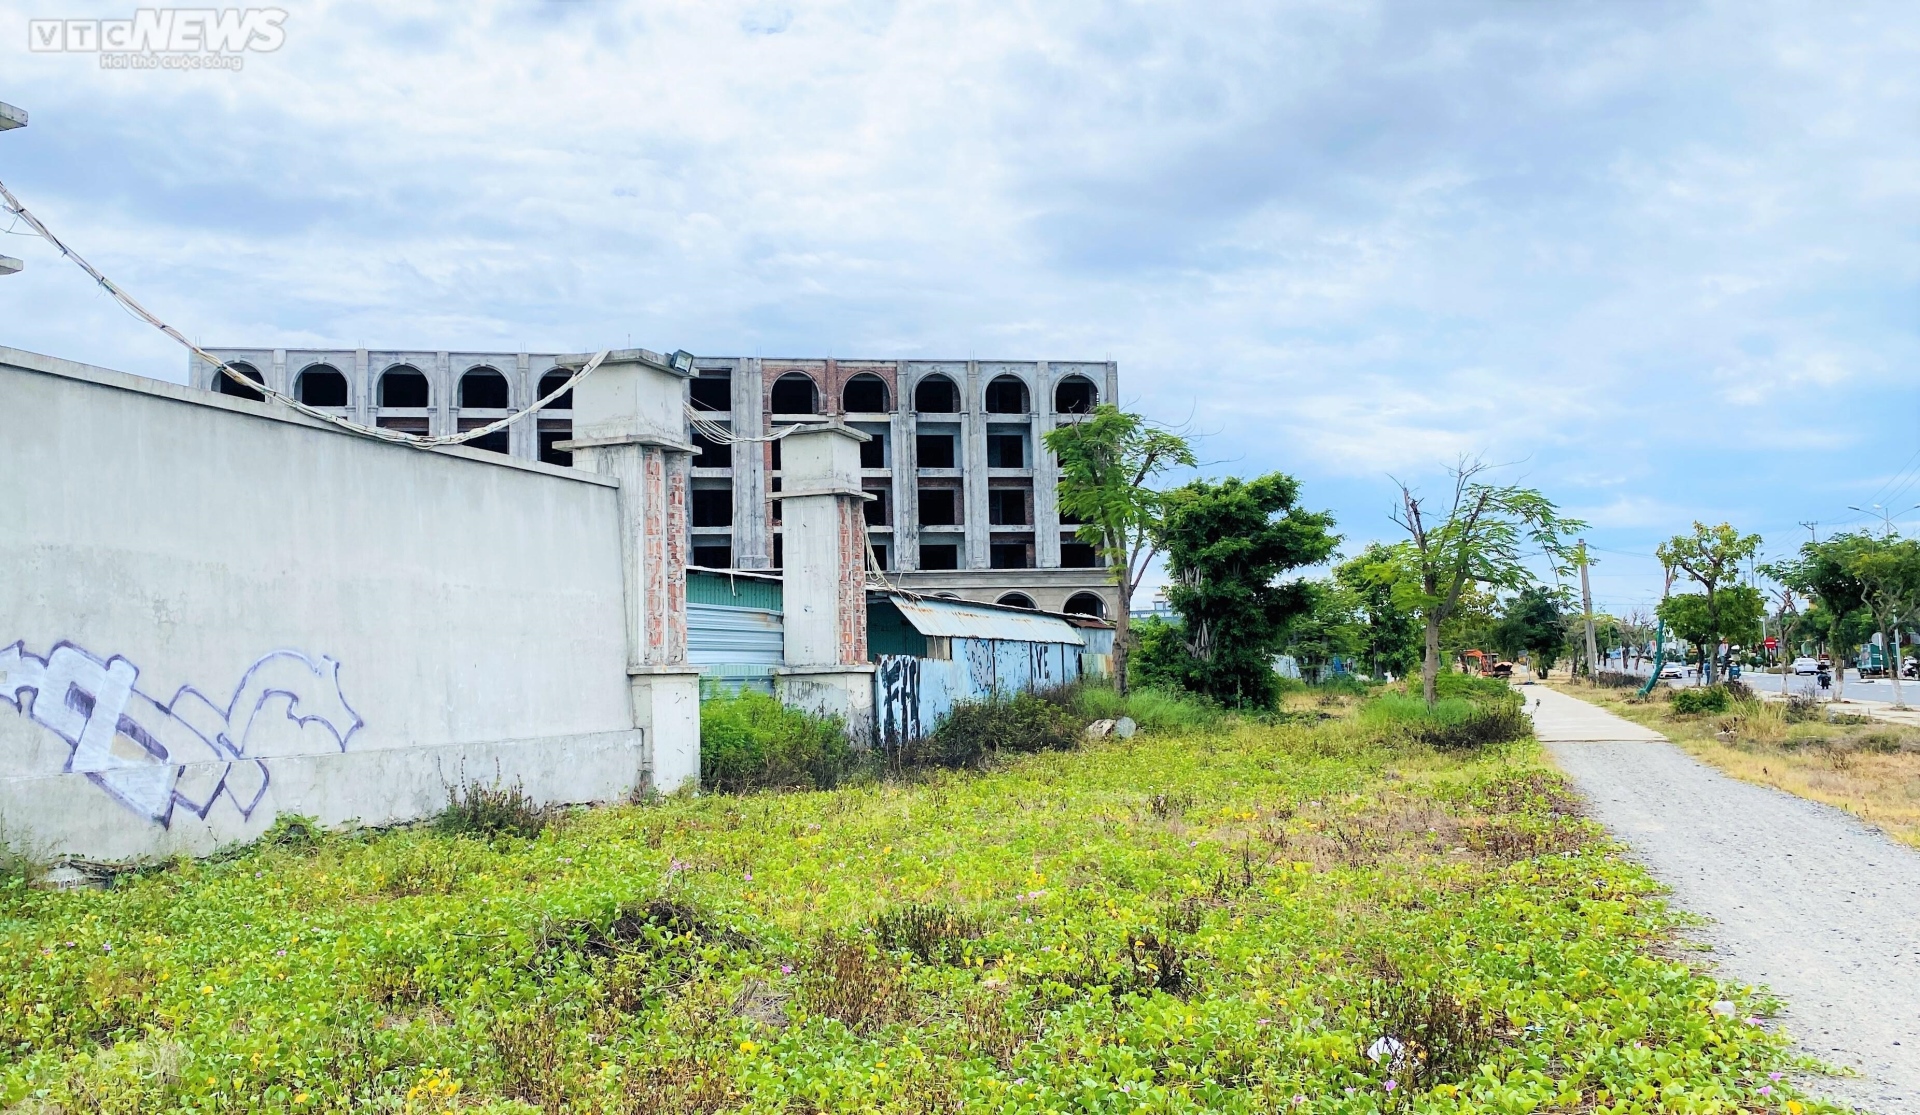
x=829 y=379
x=853 y=582
x=653 y=484
x=678 y=465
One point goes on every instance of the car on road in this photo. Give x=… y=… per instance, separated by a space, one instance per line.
x=1673 y=670
x=1806 y=665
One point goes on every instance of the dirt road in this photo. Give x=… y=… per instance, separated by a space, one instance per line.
x=1803 y=898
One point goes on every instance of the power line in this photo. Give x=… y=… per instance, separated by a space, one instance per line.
x=379 y=433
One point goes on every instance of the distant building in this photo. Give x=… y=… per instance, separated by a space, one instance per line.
x=965 y=497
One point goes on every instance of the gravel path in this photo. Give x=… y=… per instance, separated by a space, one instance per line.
x=1803 y=898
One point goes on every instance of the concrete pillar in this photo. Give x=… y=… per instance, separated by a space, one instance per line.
x=825 y=577
x=973 y=477
x=1046 y=474
x=752 y=541
x=629 y=422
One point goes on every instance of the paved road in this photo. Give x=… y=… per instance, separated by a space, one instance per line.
x=1804 y=898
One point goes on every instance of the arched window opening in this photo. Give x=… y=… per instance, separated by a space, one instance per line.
x=865 y=393
x=936 y=395
x=1086 y=604
x=1075 y=395
x=404 y=386
x=1007 y=395
x=224 y=383
x=794 y=393
x=550 y=383
x=321 y=385
x=484 y=389
x=1016 y=600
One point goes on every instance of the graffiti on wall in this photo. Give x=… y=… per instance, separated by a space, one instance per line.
x=911 y=694
x=187 y=753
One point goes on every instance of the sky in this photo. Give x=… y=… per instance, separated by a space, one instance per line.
x=1657 y=260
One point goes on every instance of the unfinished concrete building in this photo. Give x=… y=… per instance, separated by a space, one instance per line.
x=964 y=497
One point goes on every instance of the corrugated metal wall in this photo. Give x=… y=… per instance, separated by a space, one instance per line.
x=736 y=647
x=911 y=694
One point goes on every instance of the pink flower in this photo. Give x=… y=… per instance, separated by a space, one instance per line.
x=786 y=969
x=1392 y=1084
x=1766 y=1089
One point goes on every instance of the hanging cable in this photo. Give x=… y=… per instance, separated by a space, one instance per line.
x=221 y=367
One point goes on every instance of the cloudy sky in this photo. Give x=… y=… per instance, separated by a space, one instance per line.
x=1661 y=256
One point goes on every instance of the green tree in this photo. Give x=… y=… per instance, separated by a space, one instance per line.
x=1712 y=557
x=1108 y=462
x=1734 y=619
x=1823 y=572
x=1889 y=573
x=1480 y=538
x=1329 y=626
x=1532 y=624
x=1227 y=543
x=1390 y=634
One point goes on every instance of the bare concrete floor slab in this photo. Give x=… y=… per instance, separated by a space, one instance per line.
x=1802 y=897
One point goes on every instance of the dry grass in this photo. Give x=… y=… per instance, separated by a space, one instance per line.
x=1869 y=770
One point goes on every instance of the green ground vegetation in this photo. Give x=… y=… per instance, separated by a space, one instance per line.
x=1308 y=912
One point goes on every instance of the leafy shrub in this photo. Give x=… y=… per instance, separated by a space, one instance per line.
x=1714 y=699
x=1427 y=1035
x=499 y=809
x=977 y=731
x=1473 y=687
x=753 y=742
x=1614 y=679
x=934 y=934
x=1154 y=709
x=1454 y=723
x=845 y=978
x=1486 y=725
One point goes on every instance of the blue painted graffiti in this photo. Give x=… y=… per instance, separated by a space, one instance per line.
x=188 y=753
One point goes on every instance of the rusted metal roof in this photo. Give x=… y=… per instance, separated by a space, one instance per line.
x=959 y=619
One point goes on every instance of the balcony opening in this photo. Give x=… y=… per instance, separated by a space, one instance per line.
x=710 y=556
x=779 y=552
x=710 y=453
x=794 y=393
x=713 y=507
x=1006 y=451
x=404 y=386
x=1085 y=604
x=934 y=450
x=936 y=395
x=1075 y=395
x=552 y=382
x=865 y=393
x=1007 y=507
x=224 y=384
x=1076 y=554
x=548 y=453
x=880 y=556
x=873 y=451
x=484 y=389
x=939 y=507
x=1010 y=555
x=1016 y=600
x=875 y=509
x=1007 y=395
x=945 y=555
x=712 y=390
x=321 y=385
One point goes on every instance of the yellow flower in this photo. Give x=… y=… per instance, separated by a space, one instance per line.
x=206 y=989
x=747 y=1047
x=301 y=1098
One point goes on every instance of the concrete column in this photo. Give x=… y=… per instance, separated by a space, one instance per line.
x=523 y=437
x=363 y=399
x=825 y=577
x=1046 y=474
x=629 y=422
x=752 y=544
x=973 y=478
x=904 y=461
x=278 y=376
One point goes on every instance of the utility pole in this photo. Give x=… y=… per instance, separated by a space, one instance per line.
x=1812 y=535
x=1586 y=606
x=11 y=118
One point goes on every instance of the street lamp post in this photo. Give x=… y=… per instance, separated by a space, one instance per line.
x=11 y=118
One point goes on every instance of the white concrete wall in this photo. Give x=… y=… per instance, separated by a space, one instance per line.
x=288 y=618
